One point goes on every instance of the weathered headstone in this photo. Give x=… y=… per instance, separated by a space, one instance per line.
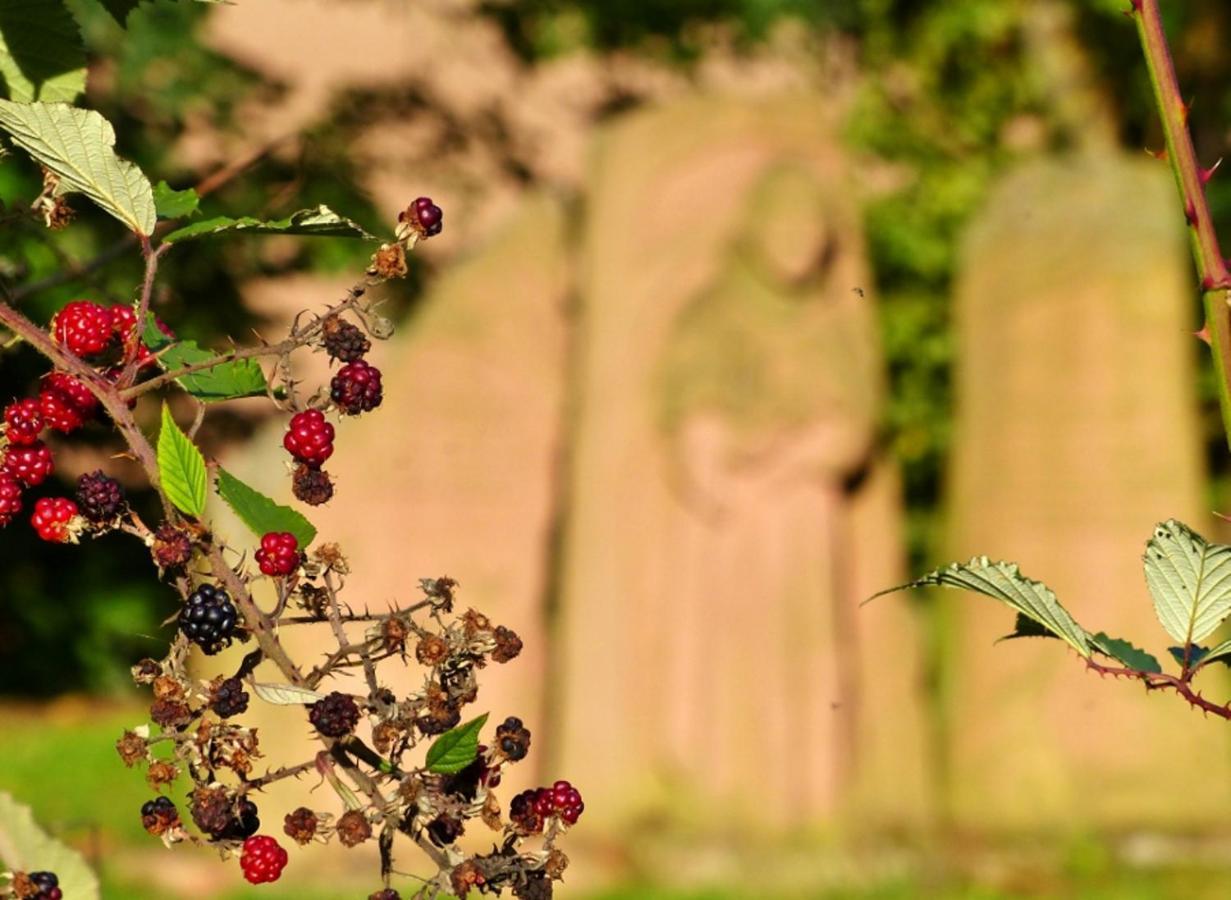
x=1076 y=431
x=714 y=664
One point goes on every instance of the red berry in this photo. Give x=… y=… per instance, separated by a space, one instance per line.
x=424 y=216
x=24 y=420
x=10 y=498
x=29 y=465
x=65 y=402
x=356 y=388
x=310 y=437
x=263 y=859
x=279 y=553
x=124 y=323
x=51 y=519
x=83 y=327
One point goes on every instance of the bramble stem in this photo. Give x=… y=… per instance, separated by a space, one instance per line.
x=1190 y=179
x=1182 y=685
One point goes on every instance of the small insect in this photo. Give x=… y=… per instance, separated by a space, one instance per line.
x=858 y=290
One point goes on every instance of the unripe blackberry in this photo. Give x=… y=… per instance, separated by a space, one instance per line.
x=524 y=813
x=262 y=859
x=309 y=438
x=279 y=554
x=423 y=216
x=52 y=519
x=508 y=644
x=513 y=738
x=208 y=619
x=300 y=825
x=23 y=421
x=353 y=828
x=172 y=548
x=386 y=894
x=83 y=327
x=444 y=830
x=101 y=498
x=66 y=403
x=10 y=498
x=344 y=341
x=566 y=801
x=335 y=715
x=159 y=816
x=356 y=388
x=124 y=324
x=311 y=485
x=30 y=465
x=229 y=698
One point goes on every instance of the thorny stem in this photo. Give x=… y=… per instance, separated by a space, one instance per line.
x=1191 y=179
x=1181 y=684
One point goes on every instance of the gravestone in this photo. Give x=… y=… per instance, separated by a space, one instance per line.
x=1076 y=431
x=727 y=510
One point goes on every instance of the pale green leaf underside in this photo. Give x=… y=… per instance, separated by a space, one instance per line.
x=41 y=54
x=77 y=145
x=286 y=694
x=319 y=222
x=1190 y=580
x=1003 y=581
x=1218 y=653
x=25 y=847
x=181 y=467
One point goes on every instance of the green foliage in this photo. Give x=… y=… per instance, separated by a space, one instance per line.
x=41 y=54
x=319 y=222
x=260 y=513
x=26 y=847
x=455 y=749
x=181 y=467
x=173 y=204
x=227 y=380
x=1190 y=580
x=1133 y=657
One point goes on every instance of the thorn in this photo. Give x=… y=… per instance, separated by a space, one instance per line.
x=1207 y=174
x=1160 y=155
x=1190 y=213
x=1203 y=334
x=1185 y=108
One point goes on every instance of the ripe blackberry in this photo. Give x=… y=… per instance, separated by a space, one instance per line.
x=83 y=327
x=444 y=830
x=10 y=498
x=66 y=403
x=513 y=738
x=53 y=518
x=244 y=823
x=309 y=438
x=172 y=547
x=356 y=388
x=279 y=554
x=29 y=465
x=525 y=814
x=101 y=498
x=344 y=341
x=508 y=644
x=24 y=421
x=423 y=216
x=48 y=886
x=229 y=698
x=353 y=828
x=159 y=816
x=311 y=485
x=262 y=860
x=208 y=619
x=335 y=715
x=300 y=825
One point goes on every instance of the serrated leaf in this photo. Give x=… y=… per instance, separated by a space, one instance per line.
x=260 y=513
x=456 y=749
x=120 y=9
x=1004 y=581
x=1196 y=653
x=25 y=847
x=228 y=380
x=172 y=204
x=286 y=694
x=1025 y=627
x=1117 y=648
x=1218 y=653
x=78 y=146
x=1190 y=580
x=319 y=222
x=41 y=54
x=181 y=467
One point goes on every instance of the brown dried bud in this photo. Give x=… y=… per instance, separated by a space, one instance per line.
x=440 y=591
x=170 y=713
x=300 y=825
x=394 y=633
x=390 y=261
x=211 y=810
x=353 y=828
x=159 y=816
x=172 y=547
x=146 y=671
x=508 y=644
x=161 y=772
x=330 y=556
x=24 y=888
x=475 y=623
x=132 y=748
x=168 y=688
x=439 y=721
x=57 y=214
x=313 y=486
x=465 y=876
x=537 y=886
x=384 y=735
x=556 y=863
x=314 y=599
x=431 y=650
x=491 y=812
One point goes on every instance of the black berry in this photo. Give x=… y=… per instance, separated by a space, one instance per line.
x=159 y=815
x=513 y=738
x=99 y=497
x=444 y=830
x=335 y=715
x=208 y=619
x=424 y=216
x=229 y=698
x=356 y=388
x=344 y=341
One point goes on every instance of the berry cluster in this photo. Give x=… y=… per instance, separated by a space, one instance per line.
x=279 y=554
x=208 y=618
x=334 y=716
x=37 y=886
x=531 y=810
x=262 y=860
x=102 y=334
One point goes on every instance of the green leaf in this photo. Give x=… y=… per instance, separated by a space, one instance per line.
x=173 y=204
x=1025 y=627
x=319 y=222
x=1196 y=653
x=1003 y=581
x=76 y=144
x=120 y=9
x=1133 y=657
x=25 y=847
x=181 y=467
x=1190 y=580
x=260 y=513
x=227 y=380
x=455 y=750
x=1219 y=653
x=41 y=54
